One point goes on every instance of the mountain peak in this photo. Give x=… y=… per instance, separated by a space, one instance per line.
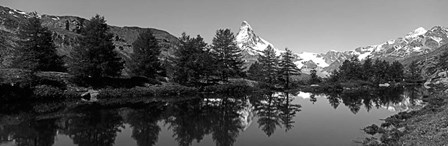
x=416 y=32
x=245 y=24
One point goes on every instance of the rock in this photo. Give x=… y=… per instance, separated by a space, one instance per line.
x=372 y=129
x=90 y=95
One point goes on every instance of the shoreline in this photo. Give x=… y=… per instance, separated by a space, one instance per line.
x=424 y=127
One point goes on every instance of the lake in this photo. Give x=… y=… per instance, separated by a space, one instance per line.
x=262 y=119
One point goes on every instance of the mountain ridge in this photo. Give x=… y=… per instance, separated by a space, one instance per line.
x=414 y=43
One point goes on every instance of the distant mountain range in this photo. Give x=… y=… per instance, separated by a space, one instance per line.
x=418 y=42
x=414 y=45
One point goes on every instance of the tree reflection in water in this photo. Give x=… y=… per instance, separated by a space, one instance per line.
x=145 y=129
x=275 y=109
x=94 y=128
x=30 y=133
x=223 y=117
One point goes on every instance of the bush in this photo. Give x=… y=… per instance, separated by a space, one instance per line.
x=236 y=87
x=152 y=91
x=45 y=92
x=108 y=82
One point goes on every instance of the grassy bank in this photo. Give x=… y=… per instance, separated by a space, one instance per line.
x=425 y=127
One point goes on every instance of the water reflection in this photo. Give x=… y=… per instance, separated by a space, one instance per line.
x=94 y=128
x=394 y=99
x=222 y=117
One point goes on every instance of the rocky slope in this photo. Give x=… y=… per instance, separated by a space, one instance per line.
x=416 y=43
x=65 y=34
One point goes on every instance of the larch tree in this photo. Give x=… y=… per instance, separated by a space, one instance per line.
x=95 y=57
x=145 y=59
x=414 y=71
x=255 y=72
x=228 y=55
x=314 y=78
x=37 y=51
x=194 y=63
x=287 y=67
x=270 y=68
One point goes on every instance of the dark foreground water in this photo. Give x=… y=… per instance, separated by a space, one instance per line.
x=308 y=119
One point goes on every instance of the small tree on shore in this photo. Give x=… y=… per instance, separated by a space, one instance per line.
x=287 y=68
x=314 y=78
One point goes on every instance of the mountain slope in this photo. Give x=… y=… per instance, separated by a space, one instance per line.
x=65 y=34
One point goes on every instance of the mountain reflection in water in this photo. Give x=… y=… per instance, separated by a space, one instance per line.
x=243 y=119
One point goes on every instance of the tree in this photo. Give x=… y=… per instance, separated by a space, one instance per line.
x=287 y=67
x=269 y=64
x=351 y=69
x=396 y=71
x=195 y=64
x=367 y=69
x=314 y=78
x=380 y=74
x=37 y=51
x=228 y=55
x=413 y=71
x=145 y=59
x=95 y=57
x=254 y=72
x=335 y=76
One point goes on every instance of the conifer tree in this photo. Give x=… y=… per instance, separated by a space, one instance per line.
x=145 y=59
x=255 y=72
x=381 y=68
x=269 y=62
x=95 y=57
x=287 y=67
x=413 y=71
x=194 y=61
x=314 y=78
x=37 y=51
x=367 y=69
x=396 y=71
x=228 y=55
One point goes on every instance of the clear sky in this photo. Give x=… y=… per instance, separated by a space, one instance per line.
x=300 y=25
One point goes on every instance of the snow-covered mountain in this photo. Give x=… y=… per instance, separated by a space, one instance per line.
x=417 y=42
x=247 y=40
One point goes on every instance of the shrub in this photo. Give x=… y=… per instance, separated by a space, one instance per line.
x=45 y=92
x=152 y=91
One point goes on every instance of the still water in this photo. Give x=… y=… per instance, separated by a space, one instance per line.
x=261 y=119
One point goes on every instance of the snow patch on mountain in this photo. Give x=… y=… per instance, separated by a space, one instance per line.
x=314 y=57
x=416 y=33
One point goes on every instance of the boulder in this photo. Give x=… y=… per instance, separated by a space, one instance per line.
x=90 y=95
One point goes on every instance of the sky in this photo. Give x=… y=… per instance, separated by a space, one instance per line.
x=300 y=25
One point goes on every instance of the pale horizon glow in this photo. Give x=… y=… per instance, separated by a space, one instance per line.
x=300 y=25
